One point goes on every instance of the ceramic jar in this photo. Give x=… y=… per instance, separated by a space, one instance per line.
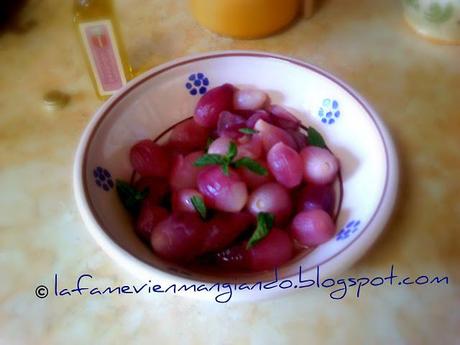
x=248 y=18
x=438 y=20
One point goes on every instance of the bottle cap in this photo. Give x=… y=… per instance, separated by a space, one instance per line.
x=55 y=99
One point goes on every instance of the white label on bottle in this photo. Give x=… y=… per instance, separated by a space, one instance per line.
x=104 y=56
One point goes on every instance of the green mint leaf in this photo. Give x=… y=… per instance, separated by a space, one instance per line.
x=248 y=131
x=315 y=138
x=264 y=225
x=252 y=165
x=130 y=197
x=209 y=159
x=269 y=219
x=225 y=169
x=232 y=152
x=199 y=206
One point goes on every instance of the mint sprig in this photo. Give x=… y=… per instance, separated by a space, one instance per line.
x=252 y=165
x=247 y=131
x=226 y=161
x=214 y=159
x=231 y=153
x=265 y=222
x=130 y=197
x=315 y=138
x=209 y=159
x=199 y=206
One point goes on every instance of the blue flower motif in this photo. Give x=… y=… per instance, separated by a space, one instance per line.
x=197 y=84
x=351 y=227
x=103 y=178
x=329 y=111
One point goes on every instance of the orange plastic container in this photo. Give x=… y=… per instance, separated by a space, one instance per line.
x=245 y=18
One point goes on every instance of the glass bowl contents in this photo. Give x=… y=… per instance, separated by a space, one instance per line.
x=242 y=185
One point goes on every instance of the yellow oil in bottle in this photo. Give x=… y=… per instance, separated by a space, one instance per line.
x=103 y=48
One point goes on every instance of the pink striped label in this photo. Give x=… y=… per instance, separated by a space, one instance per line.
x=104 y=56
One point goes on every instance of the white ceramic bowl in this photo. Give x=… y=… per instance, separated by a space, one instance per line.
x=168 y=93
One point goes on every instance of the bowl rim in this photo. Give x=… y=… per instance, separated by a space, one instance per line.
x=379 y=217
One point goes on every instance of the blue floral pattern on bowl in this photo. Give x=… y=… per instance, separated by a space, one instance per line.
x=329 y=111
x=351 y=227
x=197 y=83
x=103 y=178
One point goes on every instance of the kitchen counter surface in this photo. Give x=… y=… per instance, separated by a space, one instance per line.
x=413 y=84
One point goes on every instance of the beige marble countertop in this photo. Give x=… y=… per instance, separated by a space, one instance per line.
x=414 y=84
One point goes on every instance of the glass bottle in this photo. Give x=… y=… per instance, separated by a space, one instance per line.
x=104 y=52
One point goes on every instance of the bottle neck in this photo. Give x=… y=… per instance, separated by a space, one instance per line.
x=92 y=9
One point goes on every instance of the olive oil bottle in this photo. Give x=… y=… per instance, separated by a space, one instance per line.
x=100 y=38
